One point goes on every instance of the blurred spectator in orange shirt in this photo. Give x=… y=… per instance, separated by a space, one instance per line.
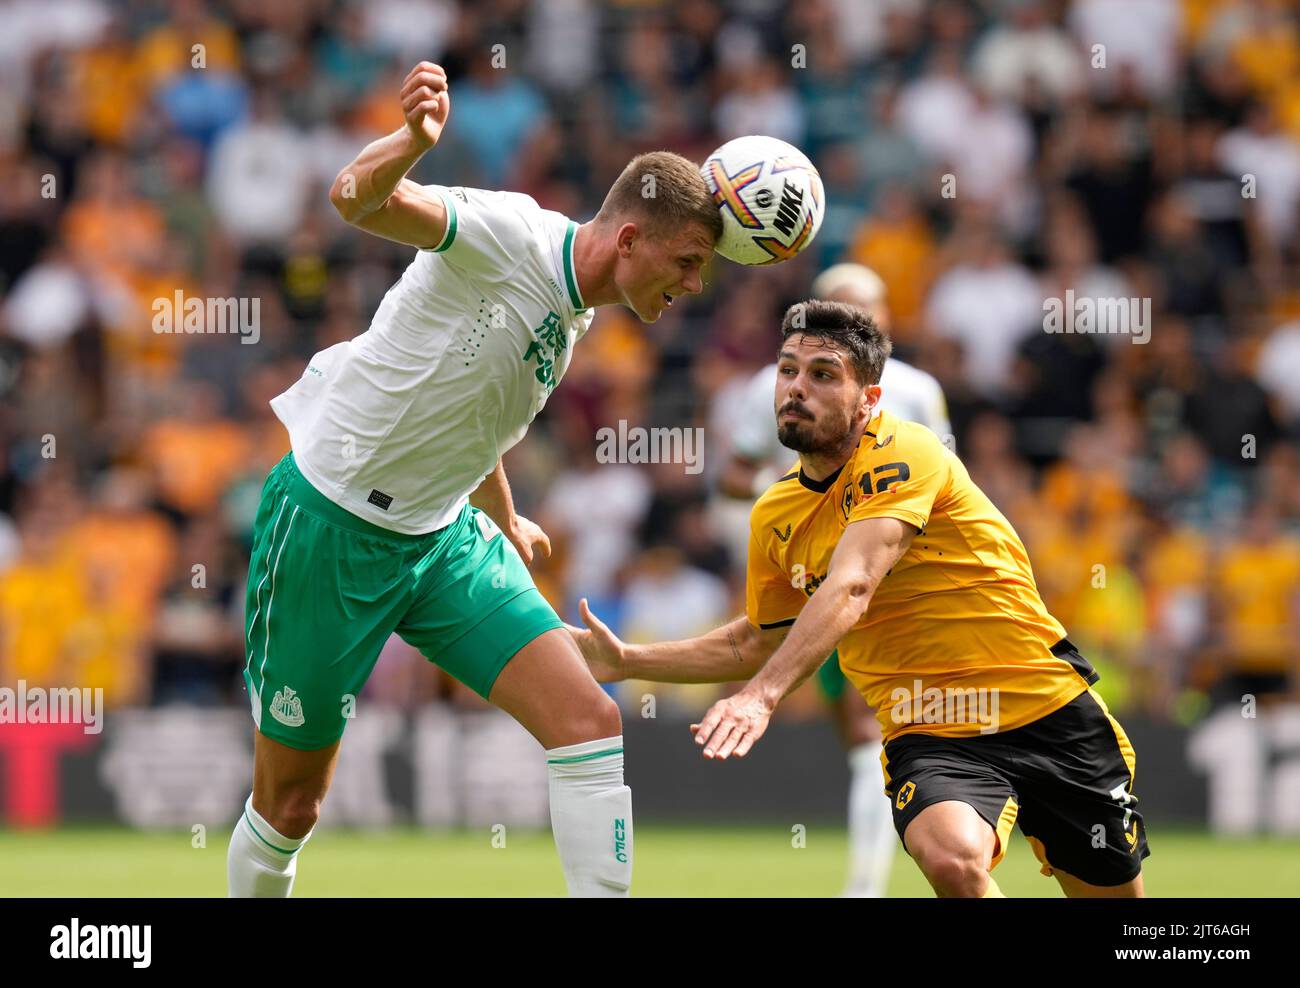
x=190 y=38
x=123 y=545
x=41 y=595
x=194 y=457
x=1257 y=612
x=104 y=644
x=109 y=228
x=111 y=84
x=895 y=242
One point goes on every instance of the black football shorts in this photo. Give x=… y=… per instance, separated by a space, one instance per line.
x=1066 y=778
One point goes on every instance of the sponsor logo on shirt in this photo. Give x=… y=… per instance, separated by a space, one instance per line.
x=549 y=341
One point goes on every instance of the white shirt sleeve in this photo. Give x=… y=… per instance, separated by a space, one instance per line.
x=488 y=233
x=754 y=435
x=914 y=395
x=936 y=409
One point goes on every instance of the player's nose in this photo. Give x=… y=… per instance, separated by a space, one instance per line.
x=693 y=284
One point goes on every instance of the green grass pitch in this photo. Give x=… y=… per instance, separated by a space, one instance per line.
x=670 y=861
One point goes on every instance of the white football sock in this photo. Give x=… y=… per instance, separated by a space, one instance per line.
x=591 y=817
x=871 y=825
x=261 y=863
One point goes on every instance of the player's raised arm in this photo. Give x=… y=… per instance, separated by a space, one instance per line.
x=373 y=193
x=866 y=552
x=732 y=652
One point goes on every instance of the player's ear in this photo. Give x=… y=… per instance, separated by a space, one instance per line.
x=870 y=399
x=625 y=238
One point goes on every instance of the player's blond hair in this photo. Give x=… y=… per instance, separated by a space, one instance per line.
x=665 y=192
x=858 y=277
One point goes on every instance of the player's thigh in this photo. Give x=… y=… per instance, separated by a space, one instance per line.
x=548 y=688
x=1078 y=811
x=321 y=601
x=480 y=618
x=475 y=605
x=958 y=792
x=948 y=830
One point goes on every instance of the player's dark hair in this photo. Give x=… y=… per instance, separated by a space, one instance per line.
x=846 y=326
x=665 y=192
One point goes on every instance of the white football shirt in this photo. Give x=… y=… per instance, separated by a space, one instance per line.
x=402 y=423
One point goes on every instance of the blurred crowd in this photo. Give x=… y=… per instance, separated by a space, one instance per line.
x=979 y=155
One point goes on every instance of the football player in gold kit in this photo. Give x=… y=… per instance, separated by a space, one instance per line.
x=878 y=543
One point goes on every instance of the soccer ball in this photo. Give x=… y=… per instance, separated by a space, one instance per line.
x=771 y=199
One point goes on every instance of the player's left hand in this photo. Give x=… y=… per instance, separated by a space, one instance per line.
x=732 y=725
x=528 y=538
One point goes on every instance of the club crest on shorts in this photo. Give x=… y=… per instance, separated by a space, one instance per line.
x=905 y=794
x=286 y=707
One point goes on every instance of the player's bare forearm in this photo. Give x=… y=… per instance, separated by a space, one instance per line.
x=493 y=498
x=865 y=554
x=833 y=610
x=736 y=651
x=373 y=193
x=372 y=177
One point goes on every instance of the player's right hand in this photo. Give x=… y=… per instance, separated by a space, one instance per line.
x=600 y=647
x=426 y=102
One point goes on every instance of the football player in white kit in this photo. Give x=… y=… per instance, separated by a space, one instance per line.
x=757 y=460
x=392 y=512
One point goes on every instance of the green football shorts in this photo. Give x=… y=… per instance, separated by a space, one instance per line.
x=326 y=589
x=831 y=679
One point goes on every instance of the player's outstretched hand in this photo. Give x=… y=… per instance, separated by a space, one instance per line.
x=426 y=101
x=602 y=649
x=732 y=725
x=528 y=538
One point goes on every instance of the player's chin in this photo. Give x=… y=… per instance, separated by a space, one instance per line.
x=794 y=436
x=651 y=312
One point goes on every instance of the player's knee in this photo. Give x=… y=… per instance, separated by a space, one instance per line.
x=607 y=718
x=955 y=871
x=600 y=718
x=293 y=815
